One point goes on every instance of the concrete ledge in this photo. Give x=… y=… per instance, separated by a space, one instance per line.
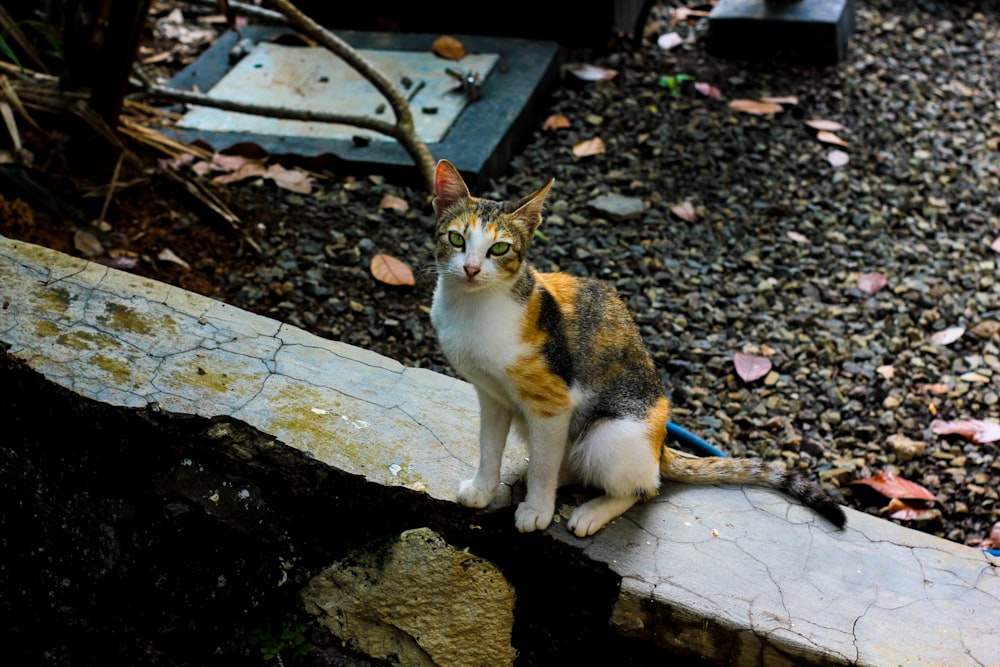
x=735 y=576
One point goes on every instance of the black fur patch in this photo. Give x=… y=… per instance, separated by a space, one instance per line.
x=556 y=347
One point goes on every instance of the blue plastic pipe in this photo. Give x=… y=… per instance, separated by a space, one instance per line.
x=691 y=441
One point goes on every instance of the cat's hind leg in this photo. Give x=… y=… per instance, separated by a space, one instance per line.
x=591 y=516
x=618 y=456
x=494 y=425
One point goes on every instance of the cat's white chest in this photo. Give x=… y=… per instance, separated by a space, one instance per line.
x=478 y=331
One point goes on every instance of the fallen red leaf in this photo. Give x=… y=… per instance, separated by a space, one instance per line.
x=685 y=211
x=976 y=430
x=872 y=283
x=751 y=367
x=891 y=485
x=755 y=107
x=707 y=89
x=391 y=271
x=586 y=72
x=830 y=138
x=946 y=336
x=555 y=122
x=395 y=203
x=787 y=99
x=588 y=147
x=827 y=125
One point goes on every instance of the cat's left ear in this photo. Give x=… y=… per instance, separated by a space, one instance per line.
x=449 y=188
x=529 y=209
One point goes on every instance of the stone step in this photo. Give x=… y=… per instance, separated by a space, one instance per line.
x=736 y=576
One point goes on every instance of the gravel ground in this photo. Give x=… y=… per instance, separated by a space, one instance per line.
x=769 y=266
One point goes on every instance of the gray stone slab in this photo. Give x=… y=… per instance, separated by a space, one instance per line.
x=480 y=141
x=813 y=32
x=739 y=576
x=314 y=79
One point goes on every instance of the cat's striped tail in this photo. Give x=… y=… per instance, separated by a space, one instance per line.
x=682 y=467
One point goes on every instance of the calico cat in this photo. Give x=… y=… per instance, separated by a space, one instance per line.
x=560 y=359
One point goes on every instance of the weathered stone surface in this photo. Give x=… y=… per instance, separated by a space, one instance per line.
x=425 y=602
x=133 y=342
x=738 y=576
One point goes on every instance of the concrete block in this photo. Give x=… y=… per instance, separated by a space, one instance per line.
x=814 y=32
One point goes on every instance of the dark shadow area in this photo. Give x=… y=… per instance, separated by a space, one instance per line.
x=145 y=538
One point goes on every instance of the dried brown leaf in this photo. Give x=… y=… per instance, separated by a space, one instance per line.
x=395 y=203
x=872 y=283
x=588 y=147
x=755 y=107
x=891 y=485
x=87 y=244
x=249 y=169
x=556 y=122
x=586 y=72
x=449 y=48
x=830 y=138
x=168 y=255
x=685 y=211
x=946 y=336
x=290 y=179
x=976 y=430
x=909 y=510
x=391 y=271
x=825 y=125
x=751 y=367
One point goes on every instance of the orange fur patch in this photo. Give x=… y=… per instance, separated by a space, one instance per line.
x=656 y=424
x=562 y=287
x=543 y=392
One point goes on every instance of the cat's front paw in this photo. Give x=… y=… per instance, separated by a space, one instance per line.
x=471 y=495
x=528 y=518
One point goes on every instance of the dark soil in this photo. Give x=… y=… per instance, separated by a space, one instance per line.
x=770 y=265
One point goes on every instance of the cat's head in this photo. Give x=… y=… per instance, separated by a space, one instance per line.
x=480 y=242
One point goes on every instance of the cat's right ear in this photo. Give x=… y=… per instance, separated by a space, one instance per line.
x=449 y=188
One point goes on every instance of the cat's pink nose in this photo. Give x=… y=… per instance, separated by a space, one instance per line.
x=471 y=270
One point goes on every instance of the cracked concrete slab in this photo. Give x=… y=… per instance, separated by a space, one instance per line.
x=738 y=576
x=132 y=342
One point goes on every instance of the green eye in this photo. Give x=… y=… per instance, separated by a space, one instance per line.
x=498 y=249
x=456 y=239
